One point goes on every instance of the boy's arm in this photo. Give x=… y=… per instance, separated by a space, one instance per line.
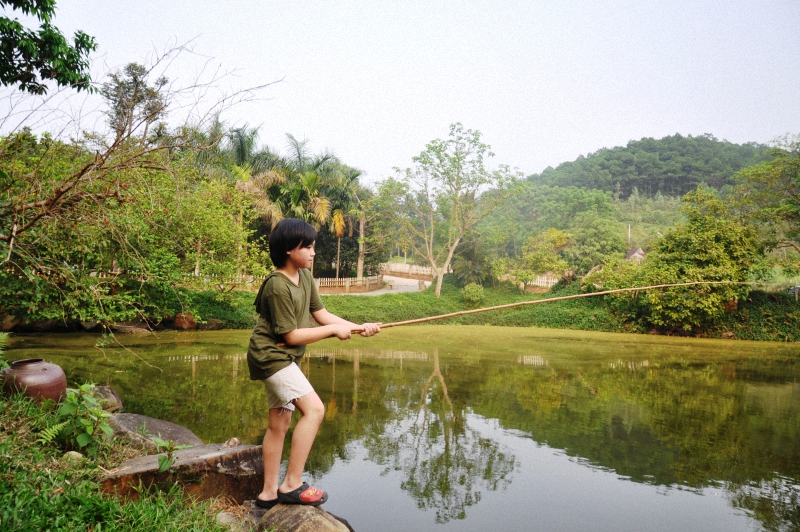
x=314 y=334
x=323 y=317
x=331 y=325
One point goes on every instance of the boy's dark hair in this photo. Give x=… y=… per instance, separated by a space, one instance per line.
x=286 y=236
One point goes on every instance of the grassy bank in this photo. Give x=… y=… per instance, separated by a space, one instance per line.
x=763 y=316
x=584 y=314
x=42 y=490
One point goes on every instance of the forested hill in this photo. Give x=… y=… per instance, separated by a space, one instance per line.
x=671 y=165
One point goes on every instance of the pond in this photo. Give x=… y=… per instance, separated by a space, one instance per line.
x=477 y=428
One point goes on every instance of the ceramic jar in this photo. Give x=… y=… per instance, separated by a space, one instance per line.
x=35 y=378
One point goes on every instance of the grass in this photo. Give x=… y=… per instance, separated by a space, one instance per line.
x=584 y=314
x=42 y=490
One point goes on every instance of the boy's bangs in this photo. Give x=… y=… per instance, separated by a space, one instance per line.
x=306 y=234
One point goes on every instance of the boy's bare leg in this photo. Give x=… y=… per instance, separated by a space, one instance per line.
x=302 y=439
x=272 y=449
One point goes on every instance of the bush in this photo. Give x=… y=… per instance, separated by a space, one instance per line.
x=473 y=294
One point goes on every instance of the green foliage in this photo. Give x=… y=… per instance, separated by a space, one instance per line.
x=121 y=250
x=762 y=316
x=471 y=264
x=473 y=294
x=439 y=201
x=169 y=448
x=131 y=101
x=541 y=254
x=771 y=191
x=234 y=309
x=529 y=209
x=596 y=240
x=42 y=491
x=712 y=246
x=649 y=218
x=672 y=165
x=80 y=422
x=28 y=58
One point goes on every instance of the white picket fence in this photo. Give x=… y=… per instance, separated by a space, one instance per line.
x=349 y=282
x=545 y=281
x=407 y=269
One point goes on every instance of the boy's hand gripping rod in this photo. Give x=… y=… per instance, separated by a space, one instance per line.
x=535 y=301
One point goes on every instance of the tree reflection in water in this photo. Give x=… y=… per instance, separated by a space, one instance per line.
x=776 y=502
x=446 y=463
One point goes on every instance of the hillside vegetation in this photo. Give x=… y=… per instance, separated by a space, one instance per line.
x=672 y=165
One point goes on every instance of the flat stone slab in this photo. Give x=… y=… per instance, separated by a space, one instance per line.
x=205 y=471
x=136 y=428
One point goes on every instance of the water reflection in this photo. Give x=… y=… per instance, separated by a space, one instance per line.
x=665 y=417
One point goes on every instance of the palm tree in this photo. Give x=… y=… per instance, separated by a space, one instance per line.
x=306 y=176
x=338 y=226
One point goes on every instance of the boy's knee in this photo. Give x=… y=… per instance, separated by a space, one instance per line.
x=313 y=407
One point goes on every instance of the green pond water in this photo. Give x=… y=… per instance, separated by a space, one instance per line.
x=490 y=428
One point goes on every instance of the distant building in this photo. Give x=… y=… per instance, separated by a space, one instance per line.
x=635 y=254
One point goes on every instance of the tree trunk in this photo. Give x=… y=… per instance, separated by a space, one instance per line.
x=362 y=250
x=338 y=250
x=197 y=260
x=439 y=279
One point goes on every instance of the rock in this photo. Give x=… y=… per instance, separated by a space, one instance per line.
x=109 y=398
x=205 y=471
x=233 y=442
x=231 y=521
x=72 y=455
x=7 y=322
x=213 y=324
x=299 y=518
x=185 y=321
x=136 y=428
x=129 y=329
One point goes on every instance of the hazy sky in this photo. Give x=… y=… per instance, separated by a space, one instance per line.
x=544 y=81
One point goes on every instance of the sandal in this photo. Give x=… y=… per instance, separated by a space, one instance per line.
x=305 y=494
x=266 y=504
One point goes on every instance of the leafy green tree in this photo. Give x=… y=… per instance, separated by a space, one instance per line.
x=72 y=245
x=541 y=254
x=301 y=192
x=471 y=265
x=28 y=58
x=772 y=190
x=442 y=196
x=596 y=239
x=713 y=245
x=529 y=209
x=132 y=102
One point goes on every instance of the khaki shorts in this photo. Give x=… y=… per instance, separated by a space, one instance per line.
x=286 y=386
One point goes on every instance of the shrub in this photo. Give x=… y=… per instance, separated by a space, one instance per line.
x=473 y=293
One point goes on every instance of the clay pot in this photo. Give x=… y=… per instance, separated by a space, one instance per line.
x=35 y=378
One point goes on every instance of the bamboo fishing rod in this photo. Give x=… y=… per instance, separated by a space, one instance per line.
x=535 y=301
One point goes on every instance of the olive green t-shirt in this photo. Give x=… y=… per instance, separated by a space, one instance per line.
x=282 y=306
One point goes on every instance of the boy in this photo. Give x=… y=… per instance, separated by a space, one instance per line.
x=284 y=302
